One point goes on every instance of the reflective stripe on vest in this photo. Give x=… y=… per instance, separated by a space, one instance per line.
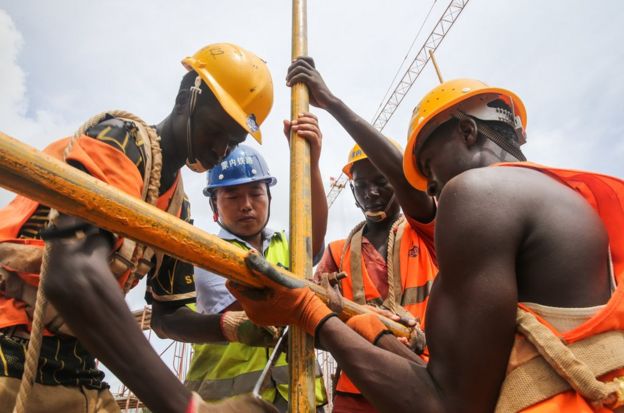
x=363 y=290
x=414 y=267
x=220 y=370
x=416 y=295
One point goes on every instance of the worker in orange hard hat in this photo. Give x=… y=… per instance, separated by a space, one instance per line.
x=527 y=313
x=500 y=113
x=389 y=257
x=226 y=94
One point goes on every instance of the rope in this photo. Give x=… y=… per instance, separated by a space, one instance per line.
x=563 y=361
x=389 y=257
x=36 y=334
x=36 y=337
x=392 y=304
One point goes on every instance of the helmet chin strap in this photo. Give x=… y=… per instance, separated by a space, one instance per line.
x=191 y=161
x=375 y=216
x=378 y=216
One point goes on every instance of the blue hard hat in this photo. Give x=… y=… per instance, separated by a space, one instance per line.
x=242 y=166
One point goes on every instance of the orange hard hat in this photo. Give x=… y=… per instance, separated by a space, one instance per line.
x=464 y=95
x=240 y=81
x=357 y=154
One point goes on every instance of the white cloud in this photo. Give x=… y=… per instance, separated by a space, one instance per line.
x=35 y=128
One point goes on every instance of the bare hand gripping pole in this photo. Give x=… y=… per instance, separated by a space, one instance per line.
x=38 y=176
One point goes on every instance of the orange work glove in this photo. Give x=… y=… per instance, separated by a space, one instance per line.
x=368 y=326
x=277 y=305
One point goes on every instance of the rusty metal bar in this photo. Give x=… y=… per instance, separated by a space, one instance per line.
x=38 y=176
x=301 y=345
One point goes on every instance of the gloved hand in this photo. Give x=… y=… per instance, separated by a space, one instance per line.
x=416 y=341
x=236 y=327
x=368 y=326
x=372 y=329
x=244 y=403
x=278 y=305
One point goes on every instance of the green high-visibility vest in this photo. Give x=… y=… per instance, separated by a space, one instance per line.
x=221 y=370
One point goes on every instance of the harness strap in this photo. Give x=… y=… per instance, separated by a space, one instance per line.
x=357 y=279
x=174 y=207
x=393 y=262
x=562 y=367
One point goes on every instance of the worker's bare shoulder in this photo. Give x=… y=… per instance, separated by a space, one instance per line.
x=492 y=202
x=487 y=186
x=512 y=186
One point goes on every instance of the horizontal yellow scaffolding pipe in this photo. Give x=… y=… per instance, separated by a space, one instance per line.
x=38 y=176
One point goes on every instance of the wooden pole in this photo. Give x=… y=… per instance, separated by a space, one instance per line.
x=301 y=345
x=435 y=65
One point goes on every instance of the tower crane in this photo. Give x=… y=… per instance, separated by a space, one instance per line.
x=383 y=115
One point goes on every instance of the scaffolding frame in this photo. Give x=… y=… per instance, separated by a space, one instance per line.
x=181 y=357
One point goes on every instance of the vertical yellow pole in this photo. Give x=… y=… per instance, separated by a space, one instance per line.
x=301 y=346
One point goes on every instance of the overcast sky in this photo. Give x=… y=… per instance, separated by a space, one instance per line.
x=64 y=61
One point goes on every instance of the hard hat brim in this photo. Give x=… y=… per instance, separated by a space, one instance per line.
x=347 y=170
x=410 y=169
x=271 y=181
x=227 y=102
x=352 y=160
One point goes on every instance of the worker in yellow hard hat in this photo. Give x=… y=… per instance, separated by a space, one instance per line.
x=226 y=94
x=531 y=285
x=389 y=257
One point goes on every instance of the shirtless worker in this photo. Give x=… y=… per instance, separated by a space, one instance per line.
x=230 y=351
x=376 y=178
x=226 y=94
x=524 y=255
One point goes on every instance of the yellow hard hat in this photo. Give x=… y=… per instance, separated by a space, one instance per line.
x=357 y=154
x=239 y=79
x=468 y=96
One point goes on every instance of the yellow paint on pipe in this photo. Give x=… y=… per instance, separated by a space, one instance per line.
x=301 y=345
x=38 y=176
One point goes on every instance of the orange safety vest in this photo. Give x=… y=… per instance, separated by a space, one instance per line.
x=417 y=267
x=103 y=162
x=606 y=195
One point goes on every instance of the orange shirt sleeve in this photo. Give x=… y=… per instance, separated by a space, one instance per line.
x=326 y=264
x=426 y=232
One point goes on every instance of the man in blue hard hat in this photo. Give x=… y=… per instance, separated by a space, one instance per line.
x=231 y=351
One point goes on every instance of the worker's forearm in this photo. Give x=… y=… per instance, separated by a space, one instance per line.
x=383 y=154
x=184 y=324
x=390 y=343
x=94 y=308
x=386 y=157
x=390 y=382
x=319 y=210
